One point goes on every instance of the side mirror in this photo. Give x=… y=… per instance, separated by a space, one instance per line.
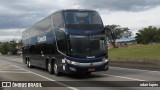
x=110 y=33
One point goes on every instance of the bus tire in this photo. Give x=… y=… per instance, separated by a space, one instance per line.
x=50 y=66
x=26 y=61
x=29 y=64
x=55 y=68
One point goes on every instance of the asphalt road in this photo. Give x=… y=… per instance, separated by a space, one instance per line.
x=12 y=69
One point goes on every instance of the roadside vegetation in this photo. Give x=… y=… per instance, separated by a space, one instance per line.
x=136 y=51
x=148 y=35
x=148 y=44
x=9 y=48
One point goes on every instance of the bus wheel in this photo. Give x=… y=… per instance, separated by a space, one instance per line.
x=29 y=64
x=56 y=72
x=50 y=67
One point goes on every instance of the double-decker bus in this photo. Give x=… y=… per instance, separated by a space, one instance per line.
x=67 y=41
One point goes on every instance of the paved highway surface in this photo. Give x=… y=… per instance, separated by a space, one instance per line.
x=12 y=69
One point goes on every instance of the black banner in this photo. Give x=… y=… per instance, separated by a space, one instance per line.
x=80 y=83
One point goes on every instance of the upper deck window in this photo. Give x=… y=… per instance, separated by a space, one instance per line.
x=82 y=17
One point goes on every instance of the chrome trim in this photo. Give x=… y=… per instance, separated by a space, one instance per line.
x=94 y=64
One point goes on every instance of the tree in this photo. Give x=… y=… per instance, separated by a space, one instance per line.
x=8 y=47
x=12 y=47
x=3 y=48
x=157 y=36
x=148 y=35
x=119 y=32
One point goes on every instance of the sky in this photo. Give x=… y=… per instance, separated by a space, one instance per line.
x=18 y=15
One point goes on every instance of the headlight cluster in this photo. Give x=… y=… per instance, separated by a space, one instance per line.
x=104 y=60
x=72 y=62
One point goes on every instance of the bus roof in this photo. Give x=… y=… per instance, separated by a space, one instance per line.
x=77 y=10
x=28 y=29
x=73 y=10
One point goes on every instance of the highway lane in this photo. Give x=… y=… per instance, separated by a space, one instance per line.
x=12 y=68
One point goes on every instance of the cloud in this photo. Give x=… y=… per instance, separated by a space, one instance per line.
x=21 y=14
x=19 y=21
x=9 y=38
x=133 y=20
x=10 y=34
x=119 y=5
x=24 y=13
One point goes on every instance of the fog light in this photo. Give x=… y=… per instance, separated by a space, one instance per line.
x=72 y=68
x=106 y=66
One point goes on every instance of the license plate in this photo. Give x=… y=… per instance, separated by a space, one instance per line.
x=91 y=69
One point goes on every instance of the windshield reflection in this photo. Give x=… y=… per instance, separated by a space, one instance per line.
x=81 y=20
x=81 y=17
x=87 y=46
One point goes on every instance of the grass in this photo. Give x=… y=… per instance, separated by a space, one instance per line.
x=136 y=51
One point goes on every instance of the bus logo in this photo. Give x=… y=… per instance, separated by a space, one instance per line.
x=6 y=84
x=90 y=56
x=41 y=39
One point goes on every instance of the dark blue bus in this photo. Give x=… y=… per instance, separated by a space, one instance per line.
x=67 y=41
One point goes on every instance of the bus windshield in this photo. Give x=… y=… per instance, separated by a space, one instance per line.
x=82 y=20
x=87 y=46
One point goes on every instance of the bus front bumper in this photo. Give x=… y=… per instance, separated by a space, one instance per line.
x=88 y=67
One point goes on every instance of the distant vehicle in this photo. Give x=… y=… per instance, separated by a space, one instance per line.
x=67 y=41
x=19 y=52
x=9 y=53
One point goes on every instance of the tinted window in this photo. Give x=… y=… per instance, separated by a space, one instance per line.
x=60 y=37
x=57 y=20
x=82 y=20
x=82 y=17
x=61 y=41
x=84 y=46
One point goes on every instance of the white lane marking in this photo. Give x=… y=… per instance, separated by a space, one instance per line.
x=9 y=69
x=136 y=69
x=73 y=88
x=12 y=72
x=124 y=77
x=7 y=66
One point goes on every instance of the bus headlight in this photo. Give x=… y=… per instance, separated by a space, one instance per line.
x=72 y=62
x=104 y=60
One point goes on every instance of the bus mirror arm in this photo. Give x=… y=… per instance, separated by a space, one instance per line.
x=110 y=32
x=62 y=30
